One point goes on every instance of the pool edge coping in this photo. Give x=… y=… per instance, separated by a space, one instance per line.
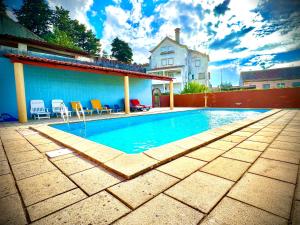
x=137 y=164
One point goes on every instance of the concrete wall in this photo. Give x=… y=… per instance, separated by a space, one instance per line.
x=272 y=98
x=47 y=84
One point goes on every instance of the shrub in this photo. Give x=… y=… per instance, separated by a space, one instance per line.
x=194 y=87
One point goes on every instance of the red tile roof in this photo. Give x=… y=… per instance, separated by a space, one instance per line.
x=288 y=73
x=82 y=67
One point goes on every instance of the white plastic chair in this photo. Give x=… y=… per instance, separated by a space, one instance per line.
x=58 y=107
x=38 y=110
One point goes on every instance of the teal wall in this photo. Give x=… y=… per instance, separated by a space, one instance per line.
x=8 y=99
x=47 y=84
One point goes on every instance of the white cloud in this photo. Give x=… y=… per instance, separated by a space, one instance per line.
x=78 y=9
x=11 y=15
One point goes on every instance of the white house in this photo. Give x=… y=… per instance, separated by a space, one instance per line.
x=171 y=58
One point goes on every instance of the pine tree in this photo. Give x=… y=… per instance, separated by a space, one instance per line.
x=35 y=15
x=2 y=8
x=121 y=51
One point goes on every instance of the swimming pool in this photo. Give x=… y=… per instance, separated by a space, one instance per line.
x=139 y=133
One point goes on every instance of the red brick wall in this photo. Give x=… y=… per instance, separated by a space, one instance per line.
x=272 y=98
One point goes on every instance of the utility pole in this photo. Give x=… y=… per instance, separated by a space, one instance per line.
x=221 y=79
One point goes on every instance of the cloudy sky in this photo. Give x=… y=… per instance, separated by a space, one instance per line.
x=238 y=35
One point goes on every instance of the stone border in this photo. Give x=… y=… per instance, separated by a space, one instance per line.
x=132 y=165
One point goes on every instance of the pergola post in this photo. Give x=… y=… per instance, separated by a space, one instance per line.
x=171 y=95
x=20 y=91
x=126 y=95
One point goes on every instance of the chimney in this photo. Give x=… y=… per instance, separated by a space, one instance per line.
x=177 y=35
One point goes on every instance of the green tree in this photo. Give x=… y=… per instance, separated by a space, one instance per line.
x=104 y=54
x=35 y=15
x=61 y=38
x=226 y=86
x=194 y=87
x=80 y=36
x=2 y=8
x=121 y=50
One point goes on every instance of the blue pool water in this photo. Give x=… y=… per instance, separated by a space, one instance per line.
x=139 y=133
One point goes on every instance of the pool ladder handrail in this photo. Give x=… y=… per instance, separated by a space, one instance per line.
x=64 y=113
x=79 y=109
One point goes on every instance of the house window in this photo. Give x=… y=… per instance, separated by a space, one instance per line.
x=296 y=84
x=167 y=49
x=201 y=75
x=164 y=62
x=197 y=63
x=266 y=86
x=192 y=76
x=280 y=85
x=170 y=61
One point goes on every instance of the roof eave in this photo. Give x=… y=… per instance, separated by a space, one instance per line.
x=35 y=61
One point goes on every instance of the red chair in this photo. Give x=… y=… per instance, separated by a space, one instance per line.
x=135 y=105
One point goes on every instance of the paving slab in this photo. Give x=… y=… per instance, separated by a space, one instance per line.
x=18 y=146
x=7 y=185
x=286 y=138
x=232 y=212
x=189 y=143
x=48 y=147
x=181 y=167
x=290 y=134
x=95 y=180
x=205 y=154
x=4 y=168
x=296 y=214
x=265 y=193
x=245 y=155
x=73 y=154
x=275 y=169
x=297 y=191
x=55 y=203
x=43 y=186
x=20 y=157
x=164 y=152
x=267 y=133
x=100 y=209
x=102 y=153
x=222 y=145
x=38 y=140
x=32 y=168
x=142 y=188
x=253 y=145
x=74 y=165
x=286 y=146
x=234 y=138
x=200 y=190
x=260 y=138
x=130 y=165
x=230 y=169
x=12 y=212
x=282 y=155
x=243 y=133
x=162 y=210
x=2 y=155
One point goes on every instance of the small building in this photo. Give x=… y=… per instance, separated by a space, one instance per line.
x=172 y=59
x=32 y=69
x=272 y=78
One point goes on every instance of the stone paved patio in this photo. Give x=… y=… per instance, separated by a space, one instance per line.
x=248 y=177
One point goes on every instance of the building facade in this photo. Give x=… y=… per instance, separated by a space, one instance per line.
x=272 y=78
x=32 y=69
x=173 y=59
